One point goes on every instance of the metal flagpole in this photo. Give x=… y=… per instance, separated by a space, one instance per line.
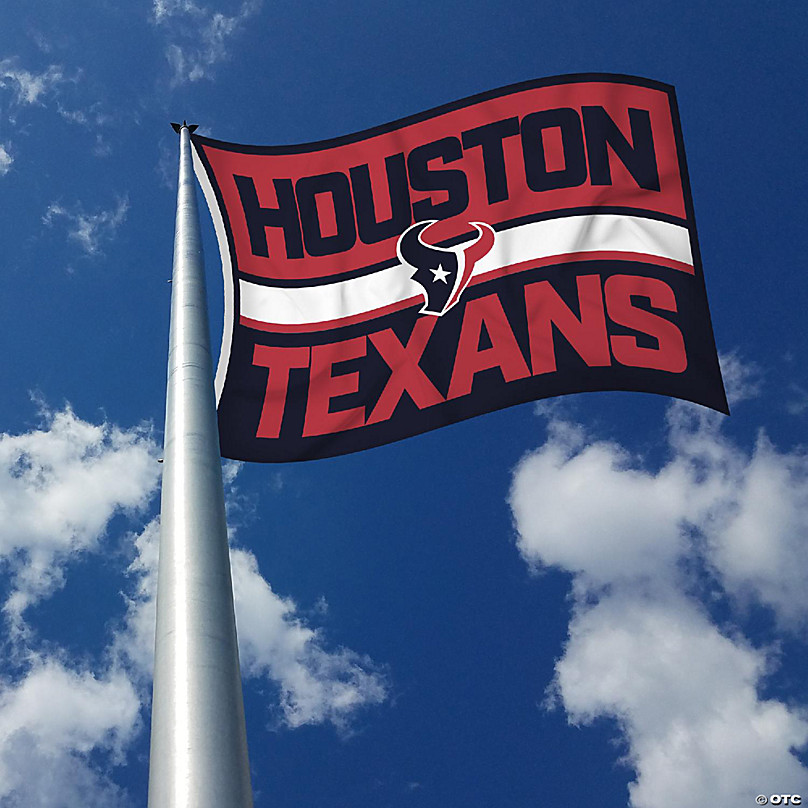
x=198 y=739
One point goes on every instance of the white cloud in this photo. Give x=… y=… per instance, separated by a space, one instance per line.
x=629 y=526
x=797 y=402
x=64 y=709
x=51 y=720
x=28 y=87
x=752 y=514
x=685 y=697
x=760 y=548
x=65 y=725
x=92 y=116
x=133 y=644
x=59 y=487
x=89 y=230
x=590 y=508
x=198 y=35
x=316 y=684
x=46 y=88
x=163 y=9
x=641 y=649
x=742 y=379
x=5 y=159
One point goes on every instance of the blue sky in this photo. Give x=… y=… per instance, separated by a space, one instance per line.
x=600 y=600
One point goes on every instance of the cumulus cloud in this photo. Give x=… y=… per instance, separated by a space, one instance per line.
x=316 y=684
x=686 y=699
x=630 y=526
x=640 y=541
x=759 y=548
x=51 y=721
x=198 y=36
x=60 y=485
x=752 y=513
x=89 y=230
x=133 y=644
x=59 y=488
x=65 y=724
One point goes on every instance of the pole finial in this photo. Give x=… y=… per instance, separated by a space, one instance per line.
x=191 y=127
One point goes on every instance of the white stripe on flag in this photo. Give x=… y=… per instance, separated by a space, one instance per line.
x=535 y=241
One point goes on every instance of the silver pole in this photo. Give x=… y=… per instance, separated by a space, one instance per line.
x=198 y=737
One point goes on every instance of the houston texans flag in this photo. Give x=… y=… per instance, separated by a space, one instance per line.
x=528 y=242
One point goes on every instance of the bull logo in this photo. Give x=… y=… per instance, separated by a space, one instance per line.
x=442 y=272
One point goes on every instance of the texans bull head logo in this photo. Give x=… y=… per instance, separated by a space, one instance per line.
x=442 y=272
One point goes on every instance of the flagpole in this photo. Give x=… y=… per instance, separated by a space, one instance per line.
x=198 y=753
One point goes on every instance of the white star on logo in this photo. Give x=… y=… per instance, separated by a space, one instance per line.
x=440 y=275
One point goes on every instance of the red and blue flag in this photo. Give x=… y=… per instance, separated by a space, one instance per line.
x=527 y=242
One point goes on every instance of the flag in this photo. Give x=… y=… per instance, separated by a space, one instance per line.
x=531 y=241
